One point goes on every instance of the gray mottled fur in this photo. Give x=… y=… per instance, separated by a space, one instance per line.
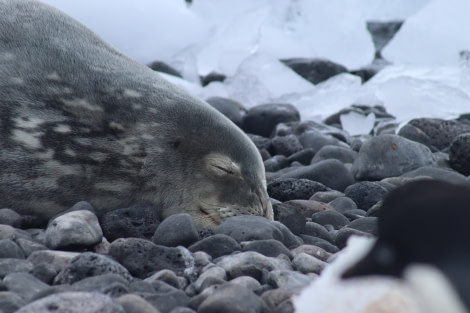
x=81 y=121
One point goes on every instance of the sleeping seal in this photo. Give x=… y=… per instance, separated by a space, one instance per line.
x=81 y=121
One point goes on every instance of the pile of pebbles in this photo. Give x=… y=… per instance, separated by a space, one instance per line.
x=325 y=186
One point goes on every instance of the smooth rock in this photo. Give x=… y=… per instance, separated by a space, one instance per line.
x=447 y=175
x=167 y=301
x=289 y=280
x=10 y=302
x=209 y=273
x=315 y=70
x=139 y=221
x=28 y=246
x=290 y=216
x=143 y=258
x=58 y=259
x=343 y=235
x=459 y=154
x=216 y=245
x=232 y=109
x=390 y=155
x=248 y=227
x=10 y=217
x=274 y=297
x=414 y=133
x=306 y=263
x=314 y=251
x=309 y=207
x=322 y=243
x=326 y=196
x=316 y=140
x=275 y=163
x=166 y=276
x=176 y=230
x=262 y=119
x=246 y=282
x=332 y=173
x=303 y=156
x=132 y=303
x=8 y=266
x=285 y=189
x=8 y=232
x=45 y=272
x=336 y=219
x=89 y=264
x=366 y=224
x=343 y=154
x=268 y=247
x=9 y=249
x=286 y=145
x=75 y=228
x=317 y=230
x=288 y=238
x=109 y=284
x=24 y=284
x=231 y=298
x=74 y=302
x=343 y=204
x=365 y=194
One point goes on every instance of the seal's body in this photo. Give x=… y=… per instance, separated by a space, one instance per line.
x=81 y=121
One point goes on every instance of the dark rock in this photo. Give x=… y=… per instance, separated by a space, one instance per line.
x=314 y=70
x=366 y=224
x=74 y=302
x=326 y=196
x=260 y=141
x=109 y=284
x=286 y=145
x=246 y=282
x=319 y=242
x=332 y=173
x=268 y=247
x=275 y=163
x=143 y=258
x=309 y=207
x=232 y=109
x=10 y=217
x=28 y=246
x=306 y=263
x=441 y=132
x=160 y=66
x=262 y=119
x=316 y=140
x=289 y=280
x=57 y=259
x=288 y=238
x=414 y=133
x=8 y=232
x=459 y=156
x=303 y=156
x=166 y=276
x=139 y=221
x=390 y=155
x=290 y=216
x=343 y=235
x=336 y=219
x=216 y=245
x=9 y=249
x=314 y=251
x=343 y=204
x=382 y=33
x=249 y=227
x=437 y=173
x=356 y=214
x=339 y=153
x=176 y=230
x=212 y=77
x=89 y=264
x=274 y=297
x=45 y=272
x=284 y=189
x=8 y=266
x=10 y=302
x=230 y=298
x=317 y=230
x=24 y=284
x=135 y=304
x=167 y=301
x=365 y=194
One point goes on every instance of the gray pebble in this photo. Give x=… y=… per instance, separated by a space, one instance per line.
x=109 y=284
x=135 y=304
x=290 y=280
x=305 y=263
x=58 y=259
x=246 y=282
x=248 y=227
x=10 y=217
x=216 y=245
x=75 y=228
x=74 y=302
x=166 y=234
x=8 y=266
x=268 y=247
x=24 y=284
x=9 y=249
x=10 y=302
x=314 y=251
x=166 y=276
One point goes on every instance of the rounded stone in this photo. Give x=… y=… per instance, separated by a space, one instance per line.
x=304 y=156
x=333 y=218
x=365 y=194
x=441 y=132
x=285 y=189
x=332 y=173
x=262 y=119
x=268 y=247
x=290 y=216
x=314 y=251
x=134 y=303
x=9 y=249
x=315 y=70
x=75 y=228
x=317 y=230
x=216 y=245
x=390 y=155
x=176 y=230
x=367 y=224
x=343 y=204
x=232 y=109
x=89 y=264
x=459 y=155
x=74 y=302
x=306 y=263
x=10 y=217
x=343 y=154
x=246 y=228
x=286 y=145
